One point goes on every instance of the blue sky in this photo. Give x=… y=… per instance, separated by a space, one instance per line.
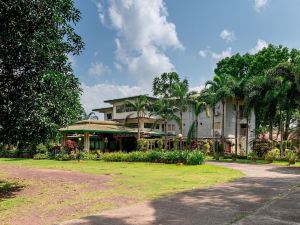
x=128 y=42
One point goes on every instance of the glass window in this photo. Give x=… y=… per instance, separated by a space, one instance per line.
x=109 y=116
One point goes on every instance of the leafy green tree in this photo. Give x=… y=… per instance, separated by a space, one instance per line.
x=38 y=90
x=139 y=104
x=90 y=116
x=163 y=85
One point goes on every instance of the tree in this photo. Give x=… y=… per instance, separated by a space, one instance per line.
x=139 y=104
x=166 y=111
x=198 y=105
x=90 y=116
x=163 y=85
x=38 y=90
x=219 y=85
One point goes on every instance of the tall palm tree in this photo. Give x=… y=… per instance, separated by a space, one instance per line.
x=219 y=85
x=198 y=105
x=166 y=111
x=90 y=116
x=139 y=104
x=180 y=95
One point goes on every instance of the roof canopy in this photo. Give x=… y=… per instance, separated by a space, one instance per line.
x=98 y=126
x=129 y=98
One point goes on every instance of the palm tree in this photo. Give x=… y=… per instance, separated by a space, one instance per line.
x=139 y=105
x=219 y=85
x=90 y=116
x=180 y=95
x=166 y=111
x=198 y=105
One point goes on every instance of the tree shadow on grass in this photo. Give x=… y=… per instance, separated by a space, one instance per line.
x=9 y=189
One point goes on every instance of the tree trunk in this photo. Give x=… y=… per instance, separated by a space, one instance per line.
x=223 y=130
x=181 y=129
x=287 y=125
x=213 y=128
x=247 y=134
x=236 y=126
x=166 y=145
x=281 y=134
x=138 y=118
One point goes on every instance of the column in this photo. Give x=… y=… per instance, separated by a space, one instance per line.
x=86 y=142
x=64 y=139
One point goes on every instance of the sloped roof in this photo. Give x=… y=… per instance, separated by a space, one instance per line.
x=129 y=98
x=98 y=126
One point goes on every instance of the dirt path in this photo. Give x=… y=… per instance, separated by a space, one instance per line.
x=46 y=196
x=267 y=195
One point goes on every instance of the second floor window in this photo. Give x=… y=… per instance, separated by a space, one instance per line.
x=124 y=108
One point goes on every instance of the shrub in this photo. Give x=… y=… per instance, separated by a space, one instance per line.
x=252 y=156
x=190 y=158
x=195 y=158
x=142 y=144
x=206 y=148
x=272 y=155
x=40 y=156
x=89 y=156
x=41 y=149
x=70 y=146
x=62 y=156
x=291 y=156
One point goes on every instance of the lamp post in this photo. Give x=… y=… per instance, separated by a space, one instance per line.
x=180 y=140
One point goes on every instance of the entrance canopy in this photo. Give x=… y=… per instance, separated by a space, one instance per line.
x=92 y=126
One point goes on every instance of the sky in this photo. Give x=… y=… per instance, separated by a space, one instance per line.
x=129 y=42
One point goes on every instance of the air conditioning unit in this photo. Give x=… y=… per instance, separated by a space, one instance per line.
x=217 y=133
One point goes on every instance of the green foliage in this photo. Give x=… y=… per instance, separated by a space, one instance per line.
x=42 y=149
x=90 y=156
x=272 y=155
x=39 y=92
x=163 y=85
x=172 y=157
x=62 y=156
x=39 y=156
x=206 y=148
x=16 y=153
x=252 y=156
x=291 y=156
x=142 y=144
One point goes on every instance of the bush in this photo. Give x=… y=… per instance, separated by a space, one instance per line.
x=290 y=156
x=272 y=155
x=41 y=149
x=89 y=156
x=252 y=156
x=62 y=156
x=16 y=153
x=39 y=156
x=70 y=146
x=190 y=158
x=206 y=148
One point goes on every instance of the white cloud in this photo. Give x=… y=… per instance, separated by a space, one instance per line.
x=98 y=69
x=260 y=4
x=94 y=96
x=143 y=35
x=259 y=46
x=223 y=54
x=197 y=88
x=101 y=12
x=214 y=55
x=203 y=53
x=227 y=35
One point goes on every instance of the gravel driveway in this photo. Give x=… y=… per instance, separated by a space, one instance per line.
x=266 y=195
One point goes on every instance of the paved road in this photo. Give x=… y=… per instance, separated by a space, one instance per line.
x=267 y=195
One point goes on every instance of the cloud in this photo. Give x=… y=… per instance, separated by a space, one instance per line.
x=143 y=36
x=214 y=55
x=259 y=46
x=197 y=88
x=203 y=53
x=94 y=96
x=98 y=69
x=260 y=4
x=227 y=35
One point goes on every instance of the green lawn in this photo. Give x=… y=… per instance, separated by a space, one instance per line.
x=136 y=181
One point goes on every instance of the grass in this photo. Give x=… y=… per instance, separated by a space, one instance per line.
x=137 y=181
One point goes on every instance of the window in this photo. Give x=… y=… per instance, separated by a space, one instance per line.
x=217 y=125
x=169 y=127
x=148 y=125
x=109 y=116
x=163 y=127
x=173 y=127
x=124 y=108
x=132 y=125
